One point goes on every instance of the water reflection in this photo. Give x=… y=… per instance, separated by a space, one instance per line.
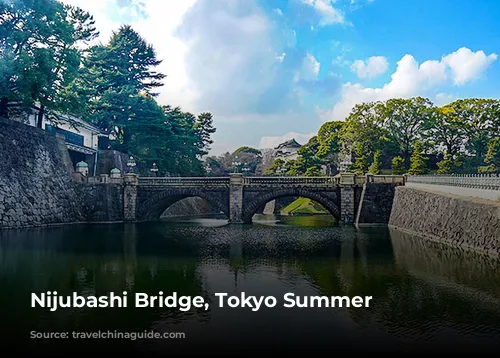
x=424 y=297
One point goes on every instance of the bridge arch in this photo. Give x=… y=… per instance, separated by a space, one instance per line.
x=157 y=203
x=251 y=207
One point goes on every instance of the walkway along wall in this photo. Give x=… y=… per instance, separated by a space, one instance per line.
x=461 y=222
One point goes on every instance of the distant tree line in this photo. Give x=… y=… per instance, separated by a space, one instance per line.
x=45 y=60
x=406 y=136
x=245 y=160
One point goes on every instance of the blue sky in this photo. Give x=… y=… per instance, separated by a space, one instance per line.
x=272 y=70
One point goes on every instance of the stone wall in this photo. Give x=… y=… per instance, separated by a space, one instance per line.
x=461 y=222
x=375 y=203
x=36 y=187
x=109 y=159
x=101 y=202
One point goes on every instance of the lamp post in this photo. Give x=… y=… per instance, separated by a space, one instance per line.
x=236 y=164
x=131 y=164
x=154 y=170
x=245 y=170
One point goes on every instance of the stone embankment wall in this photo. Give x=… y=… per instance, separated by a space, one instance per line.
x=461 y=222
x=375 y=203
x=36 y=187
x=101 y=202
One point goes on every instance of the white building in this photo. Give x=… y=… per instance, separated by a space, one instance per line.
x=288 y=150
x=82 y=138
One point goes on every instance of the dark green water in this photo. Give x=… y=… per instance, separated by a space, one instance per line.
x=425 y=297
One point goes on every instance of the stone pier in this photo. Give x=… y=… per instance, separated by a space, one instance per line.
x=347 y=184
x=130 y=182
x=236 y=198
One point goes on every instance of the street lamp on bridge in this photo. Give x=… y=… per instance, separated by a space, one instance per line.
x=236 y=164
x=154 y=170
x=131 y=164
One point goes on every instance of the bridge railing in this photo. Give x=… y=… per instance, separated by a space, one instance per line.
x=320 y=181
x=387 y=179
x=476 y=181
x=185 y=181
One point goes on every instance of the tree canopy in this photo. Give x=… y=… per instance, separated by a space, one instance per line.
x=45 y=60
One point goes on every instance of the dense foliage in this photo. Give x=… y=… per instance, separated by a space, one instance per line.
x=406 y=136
x=44 y=60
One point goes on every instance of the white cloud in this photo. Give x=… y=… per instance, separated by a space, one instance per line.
x=281 y=57
x=468 y=66
x=413 y=79
x=374 y=66
x=329 y=14
x=156 y=21
x=309 y=70
x=278 y=11
x=274 y=141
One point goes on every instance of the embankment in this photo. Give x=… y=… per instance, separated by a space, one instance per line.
x=461 y=222
x=37 y=187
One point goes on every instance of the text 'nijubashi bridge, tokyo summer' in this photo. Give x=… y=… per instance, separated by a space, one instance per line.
x=347 y=197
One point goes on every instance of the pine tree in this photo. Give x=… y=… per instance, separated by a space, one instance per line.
x=360 y=165
x=398 y=165
x=492 y=157
x=445 y=166
x=377 y=163
x=417 y=160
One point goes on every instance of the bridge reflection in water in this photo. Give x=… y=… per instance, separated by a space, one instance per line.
x=424 y=298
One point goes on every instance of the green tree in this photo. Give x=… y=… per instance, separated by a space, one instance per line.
x=185 y=148
x=446 y=129
x=480 y=120
x=363 y=125
x=329 y=145
x=417 y=160
x=214 y=167
x=445 y=166
x=275 y=168
x=377 y=163
x=204 y=129
x=360 y=165
x=398 y=165
x=492 y=157
x=406 y=121
x=40 y=53
x=313 y=171
x=114 y=75
x=245 y=149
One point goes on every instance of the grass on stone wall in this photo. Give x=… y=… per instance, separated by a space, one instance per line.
x=304 y=206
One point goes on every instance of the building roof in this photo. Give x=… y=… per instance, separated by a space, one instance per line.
x=68 y=118
x=289 y=143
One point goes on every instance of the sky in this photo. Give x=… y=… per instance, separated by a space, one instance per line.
x=272 y=70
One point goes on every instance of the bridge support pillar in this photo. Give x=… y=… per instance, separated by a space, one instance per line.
x=347 y=182
x=236 y=198
x=130 y=182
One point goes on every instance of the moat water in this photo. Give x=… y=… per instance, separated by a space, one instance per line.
x=426 y=297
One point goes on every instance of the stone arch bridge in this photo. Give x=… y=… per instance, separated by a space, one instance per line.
x=349 y=198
